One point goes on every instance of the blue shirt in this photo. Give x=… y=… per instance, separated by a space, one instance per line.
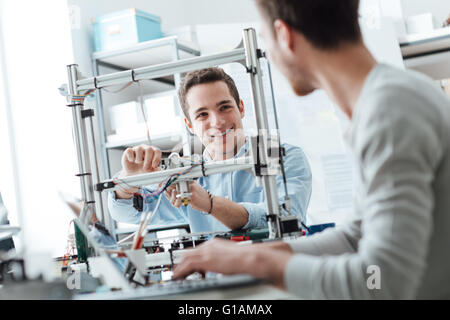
x=237 y=186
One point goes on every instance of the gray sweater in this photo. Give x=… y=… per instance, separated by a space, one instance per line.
x=397 y=245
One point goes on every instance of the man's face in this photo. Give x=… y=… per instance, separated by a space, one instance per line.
x=216 y=118
x=295 y=70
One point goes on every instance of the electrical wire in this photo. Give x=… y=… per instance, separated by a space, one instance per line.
x=144 y=116
x=81 y=97
x=119 y=90
x=162 y=185
x=142 y=230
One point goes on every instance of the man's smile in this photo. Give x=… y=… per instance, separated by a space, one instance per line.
x=222 y=134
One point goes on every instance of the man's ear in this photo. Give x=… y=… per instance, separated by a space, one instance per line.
x=188 y=125
x=284 y=35
x=241 y=109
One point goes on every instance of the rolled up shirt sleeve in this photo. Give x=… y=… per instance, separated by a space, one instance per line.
x=122 y=210
x=256 y=215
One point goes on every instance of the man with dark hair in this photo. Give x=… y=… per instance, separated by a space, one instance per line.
x=396 y=246
x=219 y=202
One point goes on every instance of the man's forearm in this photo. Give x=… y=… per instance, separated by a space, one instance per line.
x=125 y=193
x=277 y=245
x=231 y=214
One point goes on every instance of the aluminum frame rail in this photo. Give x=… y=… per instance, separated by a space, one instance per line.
x=83 y=148
x=262 y=124
x=235 y=164
x=161 y=70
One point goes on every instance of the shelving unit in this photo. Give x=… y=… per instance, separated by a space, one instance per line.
x=428 y=53
x=155 y=52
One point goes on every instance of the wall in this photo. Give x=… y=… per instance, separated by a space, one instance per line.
x=439 y=8
x=174 y=13
x=39 y=151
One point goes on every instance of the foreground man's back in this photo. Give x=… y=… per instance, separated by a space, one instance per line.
x=403 y=136
x=400 y=136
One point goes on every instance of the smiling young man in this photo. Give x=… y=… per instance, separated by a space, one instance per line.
x=219 y=202
x=396 y=246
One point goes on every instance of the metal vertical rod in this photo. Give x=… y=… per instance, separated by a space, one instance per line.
x=101 y=125
x=185 y=139
x=81 y=142
x=96 y=173
x=100 y=113
x=262 y=126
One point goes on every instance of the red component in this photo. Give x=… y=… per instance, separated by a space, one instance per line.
x=303 y=232
x=240 y=238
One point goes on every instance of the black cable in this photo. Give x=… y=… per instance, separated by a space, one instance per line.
x=133 y=75
x=283 y=171
x=203 y=167
x=278 y=130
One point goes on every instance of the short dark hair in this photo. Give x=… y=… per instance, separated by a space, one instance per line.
x=202 y=76
x=327 y=24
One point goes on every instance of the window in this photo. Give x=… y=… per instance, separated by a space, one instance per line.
x=38 y=154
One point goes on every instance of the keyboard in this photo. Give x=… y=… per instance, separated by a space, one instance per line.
x=176 y=287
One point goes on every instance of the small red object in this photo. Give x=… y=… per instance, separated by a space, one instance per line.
x=240 y=238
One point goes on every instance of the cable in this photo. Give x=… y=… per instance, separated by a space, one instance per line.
x=278 y=130
x=119 y=90
x=141 y=102
x=142 y=231
x=154 y=193
x=81 y=97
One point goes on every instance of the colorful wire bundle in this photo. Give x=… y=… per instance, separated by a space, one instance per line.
x=147 y=193
x=81 y=97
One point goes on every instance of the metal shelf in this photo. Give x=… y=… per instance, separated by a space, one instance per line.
x=145 y=54
x=149 y=53
x=163 y=141
x=154 y=52
x=428 y=53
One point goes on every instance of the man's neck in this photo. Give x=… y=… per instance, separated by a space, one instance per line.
x=342 y=74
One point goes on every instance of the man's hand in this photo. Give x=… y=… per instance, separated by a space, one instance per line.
x=228 y=257
x=199 y=198
x=138 y=160
x=231 y=214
